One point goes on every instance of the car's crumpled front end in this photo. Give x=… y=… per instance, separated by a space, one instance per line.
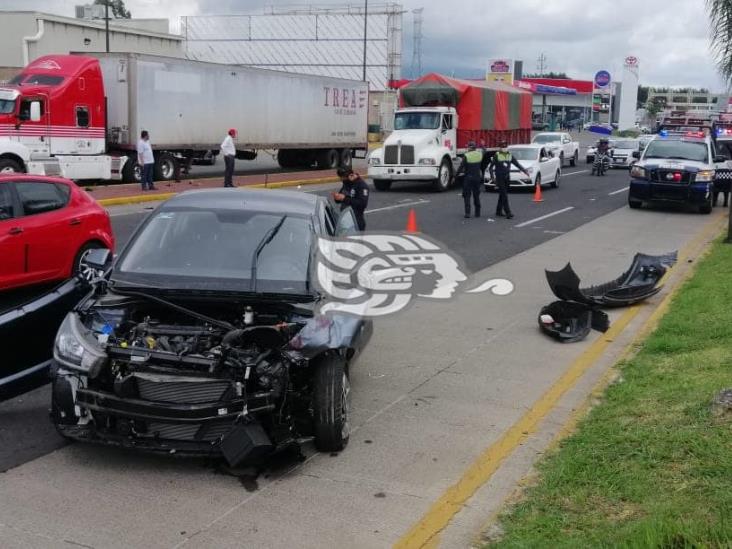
x=134 y=374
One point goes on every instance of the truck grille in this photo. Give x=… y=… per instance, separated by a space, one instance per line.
x=391 y=154
x=662 y=176
x=182 y=392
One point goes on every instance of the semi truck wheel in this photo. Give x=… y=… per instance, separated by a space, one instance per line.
x=7 y=165
x=285 y=158
x=346 y=158
x=444 y=177
x=132 y=172
x=164 y=169
x=328 y=159
x=382 y=184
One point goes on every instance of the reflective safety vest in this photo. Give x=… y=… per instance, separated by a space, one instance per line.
x=502 y=162
x=473 y=165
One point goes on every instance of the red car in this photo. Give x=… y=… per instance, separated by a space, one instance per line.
x=47 y=226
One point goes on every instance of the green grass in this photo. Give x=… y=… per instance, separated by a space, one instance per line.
x=651 y=466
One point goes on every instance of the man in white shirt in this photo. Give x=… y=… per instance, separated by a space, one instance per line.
x=229 y=151
x=146 y=160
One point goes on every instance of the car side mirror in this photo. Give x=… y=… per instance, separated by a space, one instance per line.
x=721 y=158
x=35 y=111
x=636 y=155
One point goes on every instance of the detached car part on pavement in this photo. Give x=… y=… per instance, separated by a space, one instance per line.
x=206 y=338
x=572 y=318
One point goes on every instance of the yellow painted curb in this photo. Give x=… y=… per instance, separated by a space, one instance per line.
x=425 y=533
x=139 y=198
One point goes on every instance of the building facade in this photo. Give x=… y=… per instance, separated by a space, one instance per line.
x=688 y=100
x=24 y=36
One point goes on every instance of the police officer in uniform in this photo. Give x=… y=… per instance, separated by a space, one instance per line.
x=354 y=194
x=471 y=170
x=500 y=170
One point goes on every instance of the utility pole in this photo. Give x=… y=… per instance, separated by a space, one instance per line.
x=106 y=23
x=365 y=23
x=541 y=64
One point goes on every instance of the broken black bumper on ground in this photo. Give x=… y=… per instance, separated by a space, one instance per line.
x=577 y=312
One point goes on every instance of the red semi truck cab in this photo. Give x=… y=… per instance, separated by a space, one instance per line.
x=54 y=112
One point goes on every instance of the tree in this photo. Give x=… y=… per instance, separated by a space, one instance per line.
x=117 y=7
x=552 y=74
x=720 y=17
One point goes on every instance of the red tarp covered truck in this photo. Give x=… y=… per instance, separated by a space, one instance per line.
x=436 y=119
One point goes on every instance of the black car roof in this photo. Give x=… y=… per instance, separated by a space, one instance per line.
x=258 y=200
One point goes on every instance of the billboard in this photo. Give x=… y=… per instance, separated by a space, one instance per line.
x=500 y=70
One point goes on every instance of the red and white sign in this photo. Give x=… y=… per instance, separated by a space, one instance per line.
x=500 y=66
x=631 y=61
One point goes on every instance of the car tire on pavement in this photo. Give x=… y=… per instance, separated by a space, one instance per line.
x=634 y=204
x=331 y=404
x=382 y=184
x=573 y=161
x=557 y=176
x=706 y=208
x=561 y=159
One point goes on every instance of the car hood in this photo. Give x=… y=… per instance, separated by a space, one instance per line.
x=626 y=152
x=685 y=165
x=411 y=137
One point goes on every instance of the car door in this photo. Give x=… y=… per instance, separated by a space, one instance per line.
x=12 y=240
x=50 y=229
x=346 y=224
x=545 y=165
x=34 y=134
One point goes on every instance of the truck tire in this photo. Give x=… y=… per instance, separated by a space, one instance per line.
x=561 y=159
x=382 y=184
x=8 y=165
x=573 y=161
x=331 y=404
x=634 y=204
x=706 y=208
x=286 y=158
x=328 y=159
x=165 y=165
x=132 y=172
x=346 y=158
x=444 y=177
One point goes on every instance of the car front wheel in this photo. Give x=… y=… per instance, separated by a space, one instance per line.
x=81 y=267
x=331 y=404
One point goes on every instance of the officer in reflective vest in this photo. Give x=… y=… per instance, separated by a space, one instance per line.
x=500 y=170
x=471 y=169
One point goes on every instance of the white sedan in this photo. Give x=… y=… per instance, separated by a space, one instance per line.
x=543 y=168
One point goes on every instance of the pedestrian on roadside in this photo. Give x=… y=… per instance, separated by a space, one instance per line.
x=500 y=170
x=146 y=160
x=354 y=194
x=229 y=151
x=471 y=171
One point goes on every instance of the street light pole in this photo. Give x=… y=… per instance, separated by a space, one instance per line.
x=365 y=20
x=106 y=22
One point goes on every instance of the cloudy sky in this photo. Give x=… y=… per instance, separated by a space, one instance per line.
x=579 y=37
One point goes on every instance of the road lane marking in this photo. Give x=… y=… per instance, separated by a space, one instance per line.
x=543 y=217
x=426 y=532
x=618 y=191
x=400 y=205
x=574 y=173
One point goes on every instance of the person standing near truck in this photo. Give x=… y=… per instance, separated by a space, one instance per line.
x=229 y=151
x=146 y=160
x=471 y=169
x=500 y=170
x=354 y=194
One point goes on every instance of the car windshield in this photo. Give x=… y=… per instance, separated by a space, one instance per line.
x=547 y=138
x=37 y=79
x=626 y=144
x=198 y=249
x=681 y=150
x=416 y=121
x=524 y=153
x=7 y=106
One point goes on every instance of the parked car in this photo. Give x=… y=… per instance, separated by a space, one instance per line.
x=560 y=144
x=207 y=338
x=542 y=166
x=621 y=154
x=47 y=227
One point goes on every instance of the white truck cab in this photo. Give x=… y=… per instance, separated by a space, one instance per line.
x=422 y=147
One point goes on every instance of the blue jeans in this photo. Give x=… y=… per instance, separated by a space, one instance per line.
x=147 y=176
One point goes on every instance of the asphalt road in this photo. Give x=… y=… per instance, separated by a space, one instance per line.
x=26 y=433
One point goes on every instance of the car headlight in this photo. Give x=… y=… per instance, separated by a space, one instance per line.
x=427 y=161
x=75 y=350
x=704 y=176
x=373 y=161
x=638 y=171
x=530 y=170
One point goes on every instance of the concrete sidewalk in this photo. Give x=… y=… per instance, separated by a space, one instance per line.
x=440 y=384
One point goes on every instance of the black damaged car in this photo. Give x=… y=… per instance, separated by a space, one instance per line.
x=204 y=337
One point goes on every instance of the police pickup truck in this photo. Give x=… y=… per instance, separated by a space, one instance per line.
x=676 y=167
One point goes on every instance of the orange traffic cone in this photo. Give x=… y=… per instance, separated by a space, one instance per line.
x=537 y=194
x=412 y=222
